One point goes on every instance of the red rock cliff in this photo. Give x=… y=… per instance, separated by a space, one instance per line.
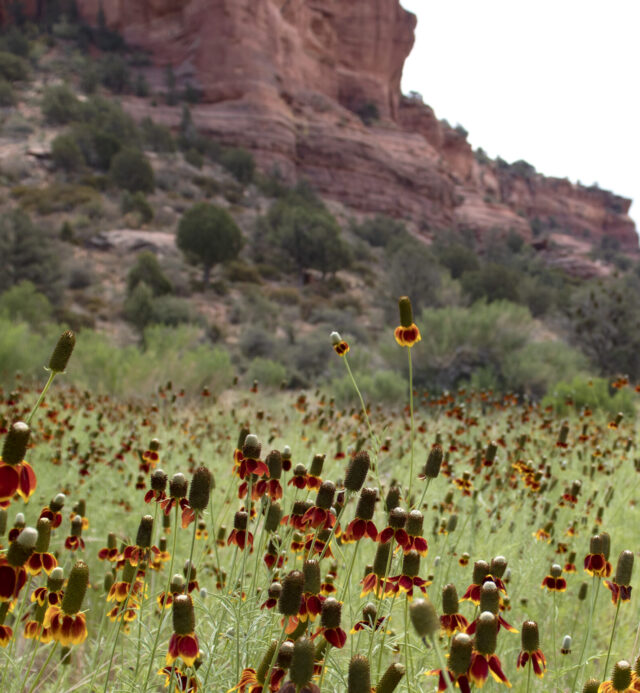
x=286 y=79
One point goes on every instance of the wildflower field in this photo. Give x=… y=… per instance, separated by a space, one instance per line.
x=273 y=541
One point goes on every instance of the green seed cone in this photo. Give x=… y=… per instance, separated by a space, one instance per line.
x=331 y=613
x=3 y=521
x=15 y=443
x=359 y=677
x=489 y=597
x=424 y=618
x=312 y=580
x=274 y=515
x=76 y=588
x=274 y=462
x=460 y=654
x=591 y=686
x=301 y=669
x=406 y=311
x=390 y=679
x=44 y=535
x=381 y=559
x=265 y=662
x=285 y=654
x=624 y=568
x=200 y=489
x=621 y=677
x=62 y=352
x=450 y=603
x=184 y=620
x=145 y=532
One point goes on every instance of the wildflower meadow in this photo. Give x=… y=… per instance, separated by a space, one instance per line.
x=270 y=540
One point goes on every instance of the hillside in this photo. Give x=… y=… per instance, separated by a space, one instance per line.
x=115 y=125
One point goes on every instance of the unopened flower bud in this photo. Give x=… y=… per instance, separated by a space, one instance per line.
x=62 y=352
x=424 y=618
x=15 y=443
x=565 y=648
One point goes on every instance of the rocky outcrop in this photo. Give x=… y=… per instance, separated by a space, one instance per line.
x=312 y=87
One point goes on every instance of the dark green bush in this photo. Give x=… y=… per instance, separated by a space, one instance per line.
x=147 y=270
x=240 y=163
x=380 y=230
x=66 y=154
x=208 y=235
x=57 y=197
x=139 y=204
x=194 y=157
x=591 y=393
x=59 y=105
x=7 y=94
x=114 y=73
x=13 y=68
x=130 y=170
x=157 y=137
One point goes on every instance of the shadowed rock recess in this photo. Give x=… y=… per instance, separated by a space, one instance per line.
x=312 y=88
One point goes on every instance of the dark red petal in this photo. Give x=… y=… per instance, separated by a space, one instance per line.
x=9 y=481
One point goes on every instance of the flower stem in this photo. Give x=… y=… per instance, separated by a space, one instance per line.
x=411 y=432
x=43 y=667
x=52 y=375
x=442 y=663
x=613 y=630
x=595 y=584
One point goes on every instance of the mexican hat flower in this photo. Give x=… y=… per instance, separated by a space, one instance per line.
x=451 y=620
x=41 y=559
x=458 y=665
x=330 y=623
x=68 y=625
x=339 y=345
x=184 y=641
x=407 y=333
x=395 y=529
x=52 y=511
x=362 y=525
x=484 y=661
x=531 y=651
x=623 y=679
x=554 y=582
x=620 y=588
x=376 y=581
x=595 y=562
x=13 y=575
x=16 y=475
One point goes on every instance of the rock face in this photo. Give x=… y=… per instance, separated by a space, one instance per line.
x=295 y=81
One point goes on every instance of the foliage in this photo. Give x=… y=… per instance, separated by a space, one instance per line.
x=492 y=282
x=114 y=73
x=302 y=233
x=457 y=258
x=368 y=112
x=13 y=68
x=57 y=197
x=139 y=204
x=59 y=105
x=589 y=393
x=23 y=302
x=130 y=170
x=7 y=94
x=28 y=255
x=240 y=163
x=66 y=154
x=156 y=136
x=142 y=308
x=380 y=230
x=268 y=373
x=208 y=235
x=147 y=269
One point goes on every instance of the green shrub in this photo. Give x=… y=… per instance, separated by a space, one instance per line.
x=379 y=388
x=7 y=94
x=268 y=373
x=66 y=154
x=208 y=235
x=380 y=230
x=157 y=137
x=194 y=157
x=240 y=163
x=492 y=282
x=114 y=73
x=240 y=271
x=256 y=342
x=23 y=302
x=147 y=269
x=14 y=41
x=139 y=204
x=130 y=170
x=368 y=112
x=98 y=147
x=57 y=197
x=59 y=105
x=591 y=393
x=13 y=68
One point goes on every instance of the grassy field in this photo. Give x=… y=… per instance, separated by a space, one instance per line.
x=515 y=481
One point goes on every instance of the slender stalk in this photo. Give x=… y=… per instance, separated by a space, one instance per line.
x=325 y=666
x=43 y=668
x=52 y=375
x=442 y=663
x=424 y=493
x=411 y=432
x=595 y=584
x=267 y=678
x=613 y=630
x=529 y=675
x=166 y=593
x=555 y=644
x=408 y=656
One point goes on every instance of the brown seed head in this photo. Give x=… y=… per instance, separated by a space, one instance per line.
x=381 y=559
x=44 y=535
x=274 y=515
x=393 y=498
x=460 y=654
x=62 y=352
x=366 y=503
x=489 y=597
x=621 y=677
x=301 y=669
x=285 y=654
x=76 y=526
x=251 y=447
x=145 y=532
x=411 y=563
x=480 y=570
x=606 y=544
x=184 y=619
x=498 y=566
x=312 y=580
x=240 y=520
x=555 y=571
x=486 y=633
x=450 y=603
x=316 y=465
x=530 y=636
x=291 y=595
x=57 y=502
x=434 y=461
x=331 y=613
x=397 y=518
x=76 y=588
x=15 y=443
x=357 y=471
x=369 y=613
x=391 y=678
x=265 y=662
x=582 y=591
x=624 y=568
x=177 y=584
x=326 y=494
x=359 y=676
x=415 y=520
x=3 y=521
x=591 y=686
x=274 y=462
x=178 y=486
x=200 y=489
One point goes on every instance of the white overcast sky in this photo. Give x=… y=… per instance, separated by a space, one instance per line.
x=554 y=82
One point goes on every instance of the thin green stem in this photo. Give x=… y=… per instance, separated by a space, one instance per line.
x=613 y=630
x=52 y=375
x=529 y=674
x=595 y=584
x=411 y=432
x=43 y=668
x=166 y=594
x=267 y=678
x=408 y=656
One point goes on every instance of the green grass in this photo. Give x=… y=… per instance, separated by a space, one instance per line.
x=88 y=446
